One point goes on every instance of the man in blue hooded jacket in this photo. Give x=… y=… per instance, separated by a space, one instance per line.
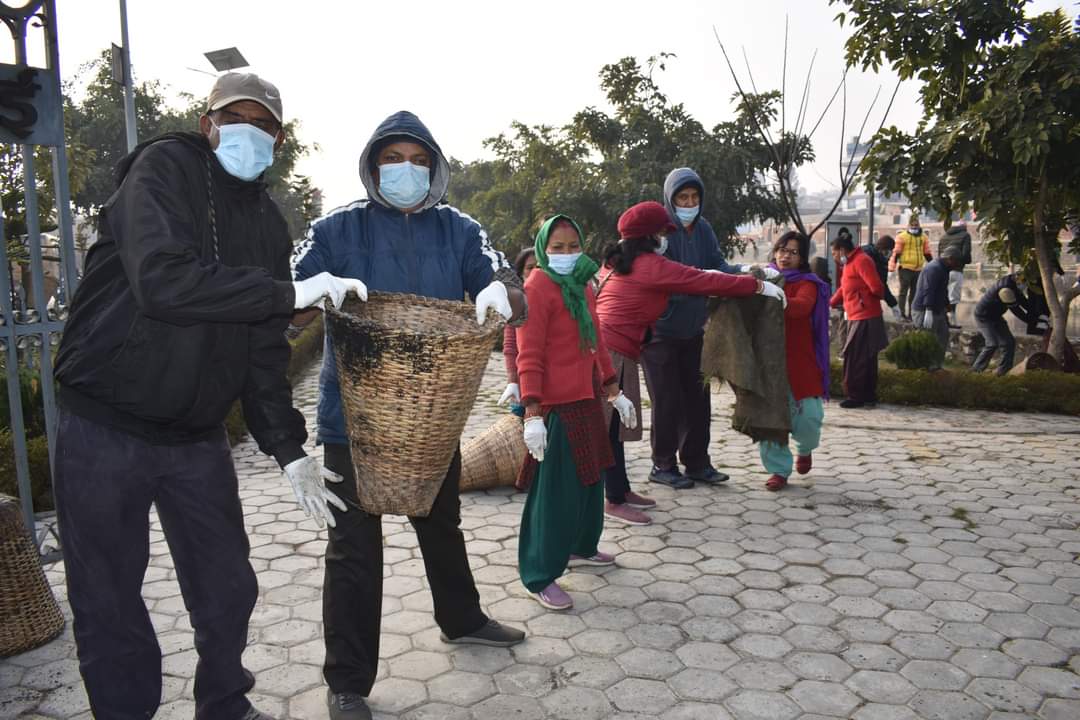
x=681 y=408
x=403 y=238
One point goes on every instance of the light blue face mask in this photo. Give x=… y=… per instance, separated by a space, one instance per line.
x=687 y=215
x=244 y=150
x=662 y=247
x=403 y=184
x=563 y=263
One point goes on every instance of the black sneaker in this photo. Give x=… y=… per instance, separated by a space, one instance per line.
x=847 y=404
x=671 y=478
x=491 y=633
x=709 y=476
x=254 y=713
x=347 y=706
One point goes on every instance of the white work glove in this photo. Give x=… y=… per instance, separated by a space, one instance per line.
x=536 y=437
x=770 y=273
x=311 y=291
x=493 y=296
x=512 y=392
x=625 y=408
x=896 y=313
x=770 y=290
x=306 y=476
x=928 y=320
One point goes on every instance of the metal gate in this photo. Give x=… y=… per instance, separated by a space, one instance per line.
x=31 y=319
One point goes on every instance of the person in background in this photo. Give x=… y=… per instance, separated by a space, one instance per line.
x=806 y=345
x=565 y=370
x=1005 y=295
x=956 y=236
x=523 y=266
x=932 y=299
x=880 y=251
x=860 y=295
x=181 y=313
x=681 y=402
x=636 y=285
x=911 y=253
x=403 y=238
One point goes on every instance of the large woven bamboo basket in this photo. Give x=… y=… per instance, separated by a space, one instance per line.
x=493 y=458
x=409 y=369
x=29 y=615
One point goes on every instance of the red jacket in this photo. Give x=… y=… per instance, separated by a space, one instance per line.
x=510 y=353
x=552 y=366
x=804 y=376
x=860 y=289
x=629 y=304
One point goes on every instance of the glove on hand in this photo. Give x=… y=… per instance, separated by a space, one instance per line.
x=512 y=392
x=493 y=296
x=536 y=437
x=770 y=290
x=896 y=314
x=770 y=272
x=311 y=291
x=306 y=476
x=625 y=408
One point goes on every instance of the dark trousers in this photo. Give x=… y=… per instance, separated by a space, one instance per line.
x=352 y=590
x=860 y=374
x=105 y=482
x=616 y=481
x=681 y=408
x=908 y=280
x=996 y=334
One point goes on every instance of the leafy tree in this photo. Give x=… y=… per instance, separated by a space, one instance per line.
x=598 y=164
x=1000 y=130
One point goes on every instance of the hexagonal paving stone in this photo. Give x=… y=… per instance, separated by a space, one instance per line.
x=419 y=665
x=769 y=647
x=827 y=698
x=1004 y=695
x=594 y=672
x=698 y=684
x=531 y=680
x=508 y=706
x=762 y=675
x=576 y=703
x=881 y=687
x=761 y=705
x=818 y=666
x=460 y=688
x=935 y=675
x=938 y=705
x=649 y=663
x=643 y=696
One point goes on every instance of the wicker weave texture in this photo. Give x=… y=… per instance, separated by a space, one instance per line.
x=493 y=458
x=409 y=369
x=29 y=615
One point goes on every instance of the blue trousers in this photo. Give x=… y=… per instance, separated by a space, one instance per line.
x=807 y=416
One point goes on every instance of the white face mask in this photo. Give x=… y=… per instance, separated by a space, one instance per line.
x=563 y=263
x=663 y=245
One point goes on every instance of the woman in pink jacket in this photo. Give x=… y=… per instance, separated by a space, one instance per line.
x=635 y=285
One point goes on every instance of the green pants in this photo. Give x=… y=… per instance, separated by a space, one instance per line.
x=561 y=516
x=806 y=418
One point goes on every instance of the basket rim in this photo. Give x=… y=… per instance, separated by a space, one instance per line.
x=456 y=306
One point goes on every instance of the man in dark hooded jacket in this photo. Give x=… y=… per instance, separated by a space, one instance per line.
x=182 y=311
x=403 y=238
x=681 y=408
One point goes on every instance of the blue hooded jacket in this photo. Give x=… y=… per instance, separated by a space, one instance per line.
x=695 y=246
x=436 y=251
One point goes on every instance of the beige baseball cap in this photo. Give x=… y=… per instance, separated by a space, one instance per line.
x=233 y=87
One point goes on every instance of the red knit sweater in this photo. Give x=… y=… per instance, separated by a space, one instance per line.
x=510 y=353
x=629 y=304
x=860 y=290
x=804 y=376
x=552 y=366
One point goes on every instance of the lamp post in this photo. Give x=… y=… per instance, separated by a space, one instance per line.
x=129 y=92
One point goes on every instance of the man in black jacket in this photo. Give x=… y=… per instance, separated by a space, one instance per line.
x=181 y=312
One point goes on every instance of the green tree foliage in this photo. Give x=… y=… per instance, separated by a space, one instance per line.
x=600 y=163
x=1000 y=128
x=97 y=124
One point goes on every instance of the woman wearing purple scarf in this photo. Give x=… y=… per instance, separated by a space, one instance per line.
x=806 y=333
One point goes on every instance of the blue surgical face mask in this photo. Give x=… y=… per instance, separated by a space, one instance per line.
x=403 y=184
x=915 y=231
x=244 y=150
x=563 y=263
x=687 y=215
x=662 y=247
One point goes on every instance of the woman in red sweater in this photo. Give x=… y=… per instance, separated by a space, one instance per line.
x=806 y=340
x=635 y=286
x=523 y=265
x=860 y=294
x=564 y=370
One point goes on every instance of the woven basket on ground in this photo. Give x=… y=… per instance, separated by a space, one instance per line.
x=29 y=615
x=493 y=458
x=409 y=369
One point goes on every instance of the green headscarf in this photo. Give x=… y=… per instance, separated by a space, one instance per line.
x=572 y=285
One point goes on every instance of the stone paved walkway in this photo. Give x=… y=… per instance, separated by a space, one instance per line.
x=926 y=568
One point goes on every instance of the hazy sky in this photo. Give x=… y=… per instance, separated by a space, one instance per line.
x=470 y=68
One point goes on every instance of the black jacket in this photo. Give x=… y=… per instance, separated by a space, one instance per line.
x=881 y=263
x=991 y=306
x=959 y=237
x=166 y=331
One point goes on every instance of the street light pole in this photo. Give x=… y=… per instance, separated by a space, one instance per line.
x=129 y=93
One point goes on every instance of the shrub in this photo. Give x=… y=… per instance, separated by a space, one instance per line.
x=33 y=407
x=1033 y=391
x=37 y=451
x=917 y=350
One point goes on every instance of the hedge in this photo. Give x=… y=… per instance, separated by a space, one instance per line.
x=1033 y=391
x=306 y=346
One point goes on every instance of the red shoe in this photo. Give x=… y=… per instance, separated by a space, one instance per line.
x=625 y=514
x=803 y=463
x=639 y=501
x=776 y=483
